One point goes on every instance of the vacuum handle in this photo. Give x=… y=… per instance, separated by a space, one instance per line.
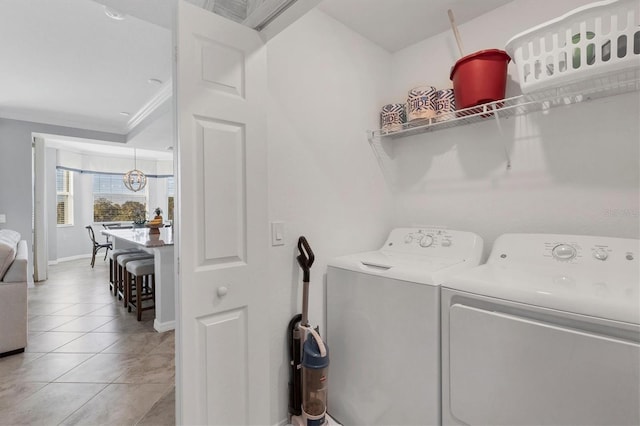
x=305 y=258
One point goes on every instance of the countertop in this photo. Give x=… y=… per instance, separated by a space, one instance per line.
x=141 y=236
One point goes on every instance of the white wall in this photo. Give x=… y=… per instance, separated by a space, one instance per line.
x=430 y=61
x=574 y=170
x=157 y=197
x=326 y=84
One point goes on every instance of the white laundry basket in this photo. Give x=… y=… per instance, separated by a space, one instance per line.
x=590 y=42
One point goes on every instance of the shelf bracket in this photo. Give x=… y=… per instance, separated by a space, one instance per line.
x=507 y=154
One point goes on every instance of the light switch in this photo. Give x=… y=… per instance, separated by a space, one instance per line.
x=3 y=218
x=277 y=233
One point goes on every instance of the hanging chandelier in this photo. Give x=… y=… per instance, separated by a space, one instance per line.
x=134 y=179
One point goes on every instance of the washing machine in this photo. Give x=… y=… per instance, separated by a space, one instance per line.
x=547 y=332
x=383 y=326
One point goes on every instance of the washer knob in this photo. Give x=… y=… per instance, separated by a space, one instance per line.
x=426 y=241
x=408 y=238
x=564 y=252
x=600 y=254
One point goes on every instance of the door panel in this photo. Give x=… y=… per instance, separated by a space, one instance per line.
x=221 y=120
x=222 y=148
x=222 y=67
x=508 y=370
x=228 y=404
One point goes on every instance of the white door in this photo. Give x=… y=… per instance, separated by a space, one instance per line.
x=222 y=332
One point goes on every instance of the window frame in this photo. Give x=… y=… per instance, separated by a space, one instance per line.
x=108 y=195
x=171 y=197
x=68 y=194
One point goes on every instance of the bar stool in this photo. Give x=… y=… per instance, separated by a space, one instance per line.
x=121 y=283
x=113 y=265
x=141 y=274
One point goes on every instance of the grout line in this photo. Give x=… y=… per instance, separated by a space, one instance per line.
x=75 y=366
x=60 y=325
x=90 y=399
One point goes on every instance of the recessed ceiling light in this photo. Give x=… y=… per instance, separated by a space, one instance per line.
x=113 y=13
x=154 y=81
x=125 y=113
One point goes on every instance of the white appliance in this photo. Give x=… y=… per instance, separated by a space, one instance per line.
x=547 y=332
x=383 y=326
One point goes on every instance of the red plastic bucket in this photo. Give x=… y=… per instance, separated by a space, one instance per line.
x=480 y=78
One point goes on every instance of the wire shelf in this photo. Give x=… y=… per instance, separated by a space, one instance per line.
x=596 y=87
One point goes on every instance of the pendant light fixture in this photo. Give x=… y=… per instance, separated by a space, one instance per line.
x=134 y=179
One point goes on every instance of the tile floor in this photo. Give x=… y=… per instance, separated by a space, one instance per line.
x=88 y=360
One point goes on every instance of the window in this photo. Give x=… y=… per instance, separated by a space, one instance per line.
x=64 y=197
x=113 y=202
x=171 y=192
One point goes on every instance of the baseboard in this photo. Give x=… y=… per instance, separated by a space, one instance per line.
x=161 y=327
x=67 y=259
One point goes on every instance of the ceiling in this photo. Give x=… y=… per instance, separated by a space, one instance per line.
x=68 y=63
x=396 y=24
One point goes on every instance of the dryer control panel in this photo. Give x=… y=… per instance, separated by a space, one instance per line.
x=596 y=276
x=434 y=241
x=556 y=249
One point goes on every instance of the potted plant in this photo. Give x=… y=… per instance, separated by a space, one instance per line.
x=139 y=219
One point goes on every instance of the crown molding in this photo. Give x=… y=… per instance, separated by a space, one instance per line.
x=63 y=120
x=164 y=94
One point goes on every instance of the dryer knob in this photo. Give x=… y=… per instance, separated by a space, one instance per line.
x=600 y=254
x=408 y=238
x=426 y=241
x=564 y=252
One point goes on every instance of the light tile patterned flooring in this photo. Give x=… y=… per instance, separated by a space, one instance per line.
x=88 y=360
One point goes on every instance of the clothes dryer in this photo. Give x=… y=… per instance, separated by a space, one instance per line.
x=547 y=332
x=383 y=326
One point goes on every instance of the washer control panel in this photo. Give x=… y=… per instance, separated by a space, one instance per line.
x=568 y=251
x=565 y=249
x=434 y=241
x=429 y=238
x=564 y=252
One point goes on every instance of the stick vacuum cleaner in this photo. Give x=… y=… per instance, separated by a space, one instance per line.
x=309 y=358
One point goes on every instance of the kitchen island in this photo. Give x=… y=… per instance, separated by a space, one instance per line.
x=161 y=246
